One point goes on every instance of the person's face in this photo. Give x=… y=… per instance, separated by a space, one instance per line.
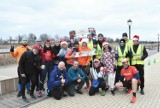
x=84 y=44
x=57 y=43
x=125 y=37
x=125 y=64
x=35 y=51
x=135 y=42
x=48 y=44
x=75 y=65
x=100 y=38
x=24 y=42
x=64 y=45
x=72 y=40
x=105 y=46
x=96 y=64
x=121 y=43
x=76 y=46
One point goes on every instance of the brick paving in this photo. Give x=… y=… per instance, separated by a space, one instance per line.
x=151 y=99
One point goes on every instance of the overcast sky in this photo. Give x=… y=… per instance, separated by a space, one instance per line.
x=60 y=16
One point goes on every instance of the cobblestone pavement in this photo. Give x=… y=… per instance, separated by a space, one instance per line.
x=151 y=99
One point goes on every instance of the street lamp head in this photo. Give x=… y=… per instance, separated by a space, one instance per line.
x=158 y=35
x=129 y=22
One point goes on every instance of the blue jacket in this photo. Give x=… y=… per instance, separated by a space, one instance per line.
x=73 y=74
x=55 y=78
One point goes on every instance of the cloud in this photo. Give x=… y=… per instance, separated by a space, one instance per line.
x=60 y=16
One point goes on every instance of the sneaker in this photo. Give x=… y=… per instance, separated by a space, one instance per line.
x=28 y=91
x=142 y=92
x=39 y=94
x=33 y=97
x=112 y=92
x=129 y=92
x=25 y=99
x=79 y=92
x=19 y=94
x=133 y=100
x=103 y=92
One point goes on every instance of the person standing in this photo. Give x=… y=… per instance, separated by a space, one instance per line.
x=47 y=64
x=109 y=62
x=139 y=53
x=123 y=51
x=70 y=56
x=27 y=69
x=84 y=60
x=100 y=46
x=18 y=53
x=128 y=41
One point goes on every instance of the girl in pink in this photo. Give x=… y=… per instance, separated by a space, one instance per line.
x=109 y=61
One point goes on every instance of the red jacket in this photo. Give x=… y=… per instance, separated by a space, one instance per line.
x=47 y=56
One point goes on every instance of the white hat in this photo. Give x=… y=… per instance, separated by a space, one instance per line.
x=84 y=40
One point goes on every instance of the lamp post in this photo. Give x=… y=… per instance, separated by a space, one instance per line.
x=129 y=22
x=158 y=42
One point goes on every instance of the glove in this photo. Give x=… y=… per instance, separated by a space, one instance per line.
x=12 y=49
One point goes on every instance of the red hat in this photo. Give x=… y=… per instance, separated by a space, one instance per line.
x=36 y=47
x=64 y=42
x=136 y=37
x=105 y=43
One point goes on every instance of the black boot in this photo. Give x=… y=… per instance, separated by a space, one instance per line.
x=142 y=92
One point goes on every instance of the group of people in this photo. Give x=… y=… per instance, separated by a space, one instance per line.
x=107 y=68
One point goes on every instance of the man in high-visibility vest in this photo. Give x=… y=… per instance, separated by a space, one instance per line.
x=123 y=51
x=128 y=41
x=139 y=53
x=99 y=45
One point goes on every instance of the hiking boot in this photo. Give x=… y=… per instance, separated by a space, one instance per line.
x=133 y=100
x=129 y=92
x=33 y=97
x=19 y=94
x=28 y=91
x=142 y=92
x=39 y=94
x=24 y=99
x=79 y=92
x=103 y=92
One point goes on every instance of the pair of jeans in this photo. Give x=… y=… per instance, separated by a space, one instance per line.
x=47 y=70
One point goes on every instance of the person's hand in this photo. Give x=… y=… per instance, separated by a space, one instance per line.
x=43 y=67
x=79 y=76
x=12 y=49
x=79 y=80
x=23 y=75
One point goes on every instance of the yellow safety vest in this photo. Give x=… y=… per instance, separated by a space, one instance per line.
x=121 y=55
x=90 y=45
x=99 y=52
x=137 y=55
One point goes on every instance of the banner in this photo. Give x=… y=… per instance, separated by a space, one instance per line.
x=84 y=54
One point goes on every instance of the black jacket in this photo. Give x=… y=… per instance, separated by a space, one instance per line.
x=27 y=63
